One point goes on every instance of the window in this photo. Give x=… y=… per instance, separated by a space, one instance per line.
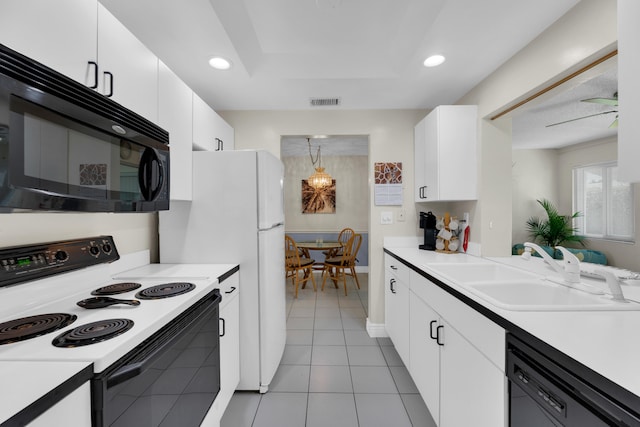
x=606 y=205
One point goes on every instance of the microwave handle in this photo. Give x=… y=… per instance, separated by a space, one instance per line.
x=149 y=187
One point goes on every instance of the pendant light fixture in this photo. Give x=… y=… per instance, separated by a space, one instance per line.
x=319 y=179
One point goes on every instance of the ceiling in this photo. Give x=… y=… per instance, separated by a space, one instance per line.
x=530 y=123
x=368 y=53
x=330 y=145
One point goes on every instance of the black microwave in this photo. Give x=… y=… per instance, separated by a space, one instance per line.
x=65 y=147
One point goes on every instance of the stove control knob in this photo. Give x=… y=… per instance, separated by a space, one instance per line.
x=94 y=250
x=62 y=255
x=106 y=248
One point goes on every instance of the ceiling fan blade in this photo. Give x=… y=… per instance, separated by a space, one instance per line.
x=604 y=101
x=580 y=118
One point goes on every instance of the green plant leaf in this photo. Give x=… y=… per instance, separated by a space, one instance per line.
x=556 y=230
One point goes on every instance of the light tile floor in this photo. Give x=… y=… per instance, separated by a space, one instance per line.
x=332 y=373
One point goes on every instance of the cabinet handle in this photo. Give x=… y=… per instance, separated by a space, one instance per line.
x=438 y=335
x=393 y=267
x=433 y=322
x=219 y=144
x=421 y=193
x=224 y=327
x=233 y=288
x=95 y=74
x=110 y=94
x=391 y=282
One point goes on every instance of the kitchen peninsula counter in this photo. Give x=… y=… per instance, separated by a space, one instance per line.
x=602 y=347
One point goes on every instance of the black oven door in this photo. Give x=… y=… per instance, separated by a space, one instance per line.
x=171 y=379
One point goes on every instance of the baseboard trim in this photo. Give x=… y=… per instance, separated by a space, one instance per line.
x=376 y=330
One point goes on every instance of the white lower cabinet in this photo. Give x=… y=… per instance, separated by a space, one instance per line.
x=467 y=377
x=425 y=353
x=397 y=306
x=74 y=409
x=229 y=349
x=456 y=355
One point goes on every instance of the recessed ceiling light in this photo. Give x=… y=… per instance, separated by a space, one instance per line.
x=219 y=63
x=434 y=60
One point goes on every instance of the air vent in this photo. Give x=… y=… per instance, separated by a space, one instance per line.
x=323 y=102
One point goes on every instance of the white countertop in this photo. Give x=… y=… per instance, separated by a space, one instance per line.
x=608 y=342
x=19 y=389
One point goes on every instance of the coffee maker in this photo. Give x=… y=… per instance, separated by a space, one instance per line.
x=428 y=223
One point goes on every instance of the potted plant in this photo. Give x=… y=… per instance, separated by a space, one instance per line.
x=556 y=229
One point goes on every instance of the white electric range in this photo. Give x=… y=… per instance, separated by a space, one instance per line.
x=147 y=338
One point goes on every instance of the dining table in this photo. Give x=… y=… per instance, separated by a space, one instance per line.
x=307 y=247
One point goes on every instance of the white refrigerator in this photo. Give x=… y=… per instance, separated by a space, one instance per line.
x=237 y=216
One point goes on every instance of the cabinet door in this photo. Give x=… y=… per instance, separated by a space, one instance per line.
x=175 y=115
x=456 y=147
x=419 y=151
x=133 y=78
x=397 y=315
x=425 y=353
x=210 y=131
x=469 y=378
x=629 y=87
x=230 y=346
x=60 y=34
x=432 y=161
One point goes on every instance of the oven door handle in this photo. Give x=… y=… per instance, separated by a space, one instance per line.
x=155 y=349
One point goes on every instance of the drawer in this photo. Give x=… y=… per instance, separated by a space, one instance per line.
x=397 y=269
x=229 y=287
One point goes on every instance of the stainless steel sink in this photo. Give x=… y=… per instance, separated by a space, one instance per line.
x=543 y=295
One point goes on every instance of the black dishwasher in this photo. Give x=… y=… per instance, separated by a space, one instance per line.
x=544 y=393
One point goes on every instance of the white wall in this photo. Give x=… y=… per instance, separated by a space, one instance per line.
x=390 y=140
x=534 y=177
x=566 y=46
x=132 y=231
x=352 y=194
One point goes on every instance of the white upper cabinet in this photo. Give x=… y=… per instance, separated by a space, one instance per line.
x=60 y=34
x=175 y=116
x=210 y=131
x=128 y=71
x=629 y=90
x=445 y=144
x=84 y=41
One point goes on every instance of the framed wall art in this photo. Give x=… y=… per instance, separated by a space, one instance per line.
x=318 y=200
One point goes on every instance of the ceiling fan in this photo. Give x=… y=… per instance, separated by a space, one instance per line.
x=612 y=102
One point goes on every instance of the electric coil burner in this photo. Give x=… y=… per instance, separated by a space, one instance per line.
x=92 y=333
x=33 y=326
x=165 y=290
x=116 y=288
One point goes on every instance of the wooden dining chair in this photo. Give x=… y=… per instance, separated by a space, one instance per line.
x=343 y=237
x=296 y=264
x=340 y=267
